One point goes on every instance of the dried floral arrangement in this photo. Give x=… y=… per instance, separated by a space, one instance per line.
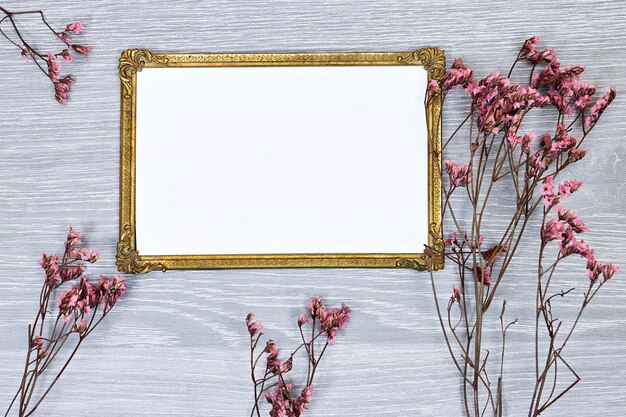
x=80 y=309
x=47 y=62
x=502 y=150
x=324 y=325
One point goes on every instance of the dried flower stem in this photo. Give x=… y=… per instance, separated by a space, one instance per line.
x=325 y=324
x=500 y=149
x=81 y=309
x=46 y=62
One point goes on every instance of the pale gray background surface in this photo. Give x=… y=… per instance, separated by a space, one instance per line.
x=177 y=345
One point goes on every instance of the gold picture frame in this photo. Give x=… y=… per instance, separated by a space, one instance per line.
x=132 y=61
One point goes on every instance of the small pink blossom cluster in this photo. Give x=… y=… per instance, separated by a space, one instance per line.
x=62 y=85
x=325 y=323
x=330 y=320
x=566 y=225
x=562 y=146
x=460 y=175
x=501 y=105
x=530 y=53
x=70 y=268
x=283 y=405
x=458 y=76
x=566 y=188
x=79 y=300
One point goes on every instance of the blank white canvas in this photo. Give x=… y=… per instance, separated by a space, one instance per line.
x=276 y=160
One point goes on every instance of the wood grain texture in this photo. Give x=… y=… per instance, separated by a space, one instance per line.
x=177 y=345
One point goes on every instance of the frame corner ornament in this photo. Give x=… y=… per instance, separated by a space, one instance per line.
x=433 y=60
x=132 y=61
x=128 y=259
x=434 y=253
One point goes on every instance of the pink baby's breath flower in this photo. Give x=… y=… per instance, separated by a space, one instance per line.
x=576 y=154
x=458 y=76
x=65 y=37
x=50 y=265
x=37 y=342
x=572 y=219
x=304 y=398
x=433 y=86
x=303 y=319
x=314 y=305
x=82 y=49
x=552 y=230
x=85 y=254
x=62 y=88
x=254 y=326
x=459 y=174
x=576 y=247
x=608 y=270
x=67 y=57
x=594 y=269
x=483 y=275
x=456 y=294
x=273 y=363
x=53 y=67
x=547 y=192
x=111 y=291
x=599 y=107
x=75 y=27
x=72 y=272
x=80 y=326
x=566 y=188
x=73 y=238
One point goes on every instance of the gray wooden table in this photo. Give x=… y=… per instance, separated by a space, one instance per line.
x=177 y=345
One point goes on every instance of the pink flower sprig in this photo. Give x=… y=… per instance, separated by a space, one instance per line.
x=501 y=149
x=47 y=62
x=325 y=323
x=81 y=308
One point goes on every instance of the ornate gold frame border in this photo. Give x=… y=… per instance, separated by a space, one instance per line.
x=134 y=60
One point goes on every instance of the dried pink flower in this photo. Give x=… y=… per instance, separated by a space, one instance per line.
x=456 y=294
x=37 y=342
x=333 y=320
x=81 y=49
x=314 y=306
x=73 y=238
x=459 y=174
x=67 y=57
x=71 y=272
x=552 y=230
x=608 y=270
x=111 y=291
x=50 y=264
x=433 y=86
x=65 y=37
x=530 y=53
x=254 y=326
x=458 y=76
x=483 y=275
x=303 y=319
x=599 y=107
x=85 y=254
x=53 y=67
x=75 y=27
x=566 y=188
x=62 y=88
